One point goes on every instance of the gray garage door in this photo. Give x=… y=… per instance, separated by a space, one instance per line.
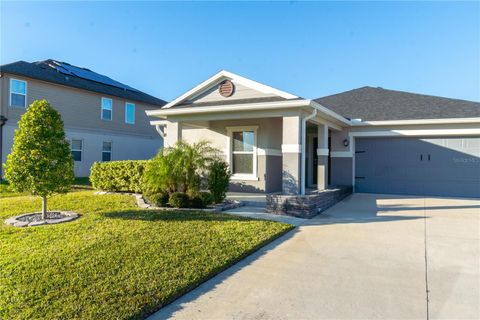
x=418 y=166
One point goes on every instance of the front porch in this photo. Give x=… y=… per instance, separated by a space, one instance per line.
x=273 y=141
x=308 y=205
x=299 y=206
x=281 y=162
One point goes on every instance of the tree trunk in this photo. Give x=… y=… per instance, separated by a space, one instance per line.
x=44 y=208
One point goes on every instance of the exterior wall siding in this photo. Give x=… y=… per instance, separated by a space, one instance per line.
x=79 y=108
x=123 y=146
x=80 y=111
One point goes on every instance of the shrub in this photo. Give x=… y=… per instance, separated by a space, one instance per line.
x=40 y=162
x=160 y=199
x=115 y=176
x=179 y=200
x=218 y=180
x=207 y=198
x=196 y=202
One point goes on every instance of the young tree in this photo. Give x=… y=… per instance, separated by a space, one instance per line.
x=40 y=162
x=219 y=180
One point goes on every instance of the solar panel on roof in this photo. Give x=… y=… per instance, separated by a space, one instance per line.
x=90 y=75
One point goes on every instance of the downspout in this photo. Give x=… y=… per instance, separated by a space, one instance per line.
x=304 y=143
x=160 y=132
x=3 y=120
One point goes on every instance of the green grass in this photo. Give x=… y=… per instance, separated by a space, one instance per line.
x=5 y=191
x=116 y=261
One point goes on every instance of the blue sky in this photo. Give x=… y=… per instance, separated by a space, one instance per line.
x=311 y=49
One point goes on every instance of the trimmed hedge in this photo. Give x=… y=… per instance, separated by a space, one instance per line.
x=118 y=176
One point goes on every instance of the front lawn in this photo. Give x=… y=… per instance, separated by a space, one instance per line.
x=116 y=261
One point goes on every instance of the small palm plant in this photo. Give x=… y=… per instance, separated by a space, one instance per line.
x=194 y=159
x=179 y=168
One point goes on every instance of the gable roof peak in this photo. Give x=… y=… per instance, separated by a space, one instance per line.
x=216 y=78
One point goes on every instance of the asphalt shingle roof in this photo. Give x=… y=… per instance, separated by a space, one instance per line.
x=377 y=104
x=41 y=70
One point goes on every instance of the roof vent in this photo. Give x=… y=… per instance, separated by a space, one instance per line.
x=226 y=88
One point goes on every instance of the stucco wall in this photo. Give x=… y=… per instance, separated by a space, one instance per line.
x=269 y=141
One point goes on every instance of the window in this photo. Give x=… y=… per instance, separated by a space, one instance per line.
x=106 y=109
x=107 y=151
x=18 y=93
x=243 y=157
x=76 y=147
x=129 y=113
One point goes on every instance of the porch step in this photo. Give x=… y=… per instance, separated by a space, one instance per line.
x=257 y=204
x=258 y=200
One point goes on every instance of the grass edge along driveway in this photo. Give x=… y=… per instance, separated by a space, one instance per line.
x=117 y=261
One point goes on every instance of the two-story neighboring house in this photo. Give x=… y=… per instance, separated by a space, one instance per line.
x=104 y=119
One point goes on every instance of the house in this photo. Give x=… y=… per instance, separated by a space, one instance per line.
x=369 y=139
x=104 y=119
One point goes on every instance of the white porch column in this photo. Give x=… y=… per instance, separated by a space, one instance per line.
x=322 y=154
x=173 y=133
x=291 y=154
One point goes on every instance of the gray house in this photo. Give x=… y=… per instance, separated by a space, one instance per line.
x=371 y=139
x=104 y=119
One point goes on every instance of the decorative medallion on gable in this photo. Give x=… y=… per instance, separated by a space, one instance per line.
x=226 y=88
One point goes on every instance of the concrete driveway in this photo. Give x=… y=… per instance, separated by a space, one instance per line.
x=370 y=256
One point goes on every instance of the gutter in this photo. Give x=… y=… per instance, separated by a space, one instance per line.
x=359 y=123
x=304 y=142
x=226 y=108
x=164 y=113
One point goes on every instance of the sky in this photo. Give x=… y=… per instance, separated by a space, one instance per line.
x=311 y=49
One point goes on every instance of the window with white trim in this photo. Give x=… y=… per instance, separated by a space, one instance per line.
x=243 y=152
x=18 y=93
x=107 y=151
x=76 y=147
x=129 y=113
x=106 y=113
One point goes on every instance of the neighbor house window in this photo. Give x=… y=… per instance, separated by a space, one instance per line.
x=129 y=113
x=77 y=147
x=106 y=109
x=106 y=151
x=18 y=93
x=243 y=158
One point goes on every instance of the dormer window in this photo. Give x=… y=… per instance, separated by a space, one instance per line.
x=18 y=93
x=106 y=112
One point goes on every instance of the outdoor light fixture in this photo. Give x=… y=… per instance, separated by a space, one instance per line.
x=346 y=142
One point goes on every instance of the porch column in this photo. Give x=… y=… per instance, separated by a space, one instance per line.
x=291 y=154
x=322 y=153
x=173 y=133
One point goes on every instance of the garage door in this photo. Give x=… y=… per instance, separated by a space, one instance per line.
x=418 y=166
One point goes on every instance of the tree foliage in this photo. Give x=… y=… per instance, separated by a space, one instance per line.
x=40 y=162
x=218 y=180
